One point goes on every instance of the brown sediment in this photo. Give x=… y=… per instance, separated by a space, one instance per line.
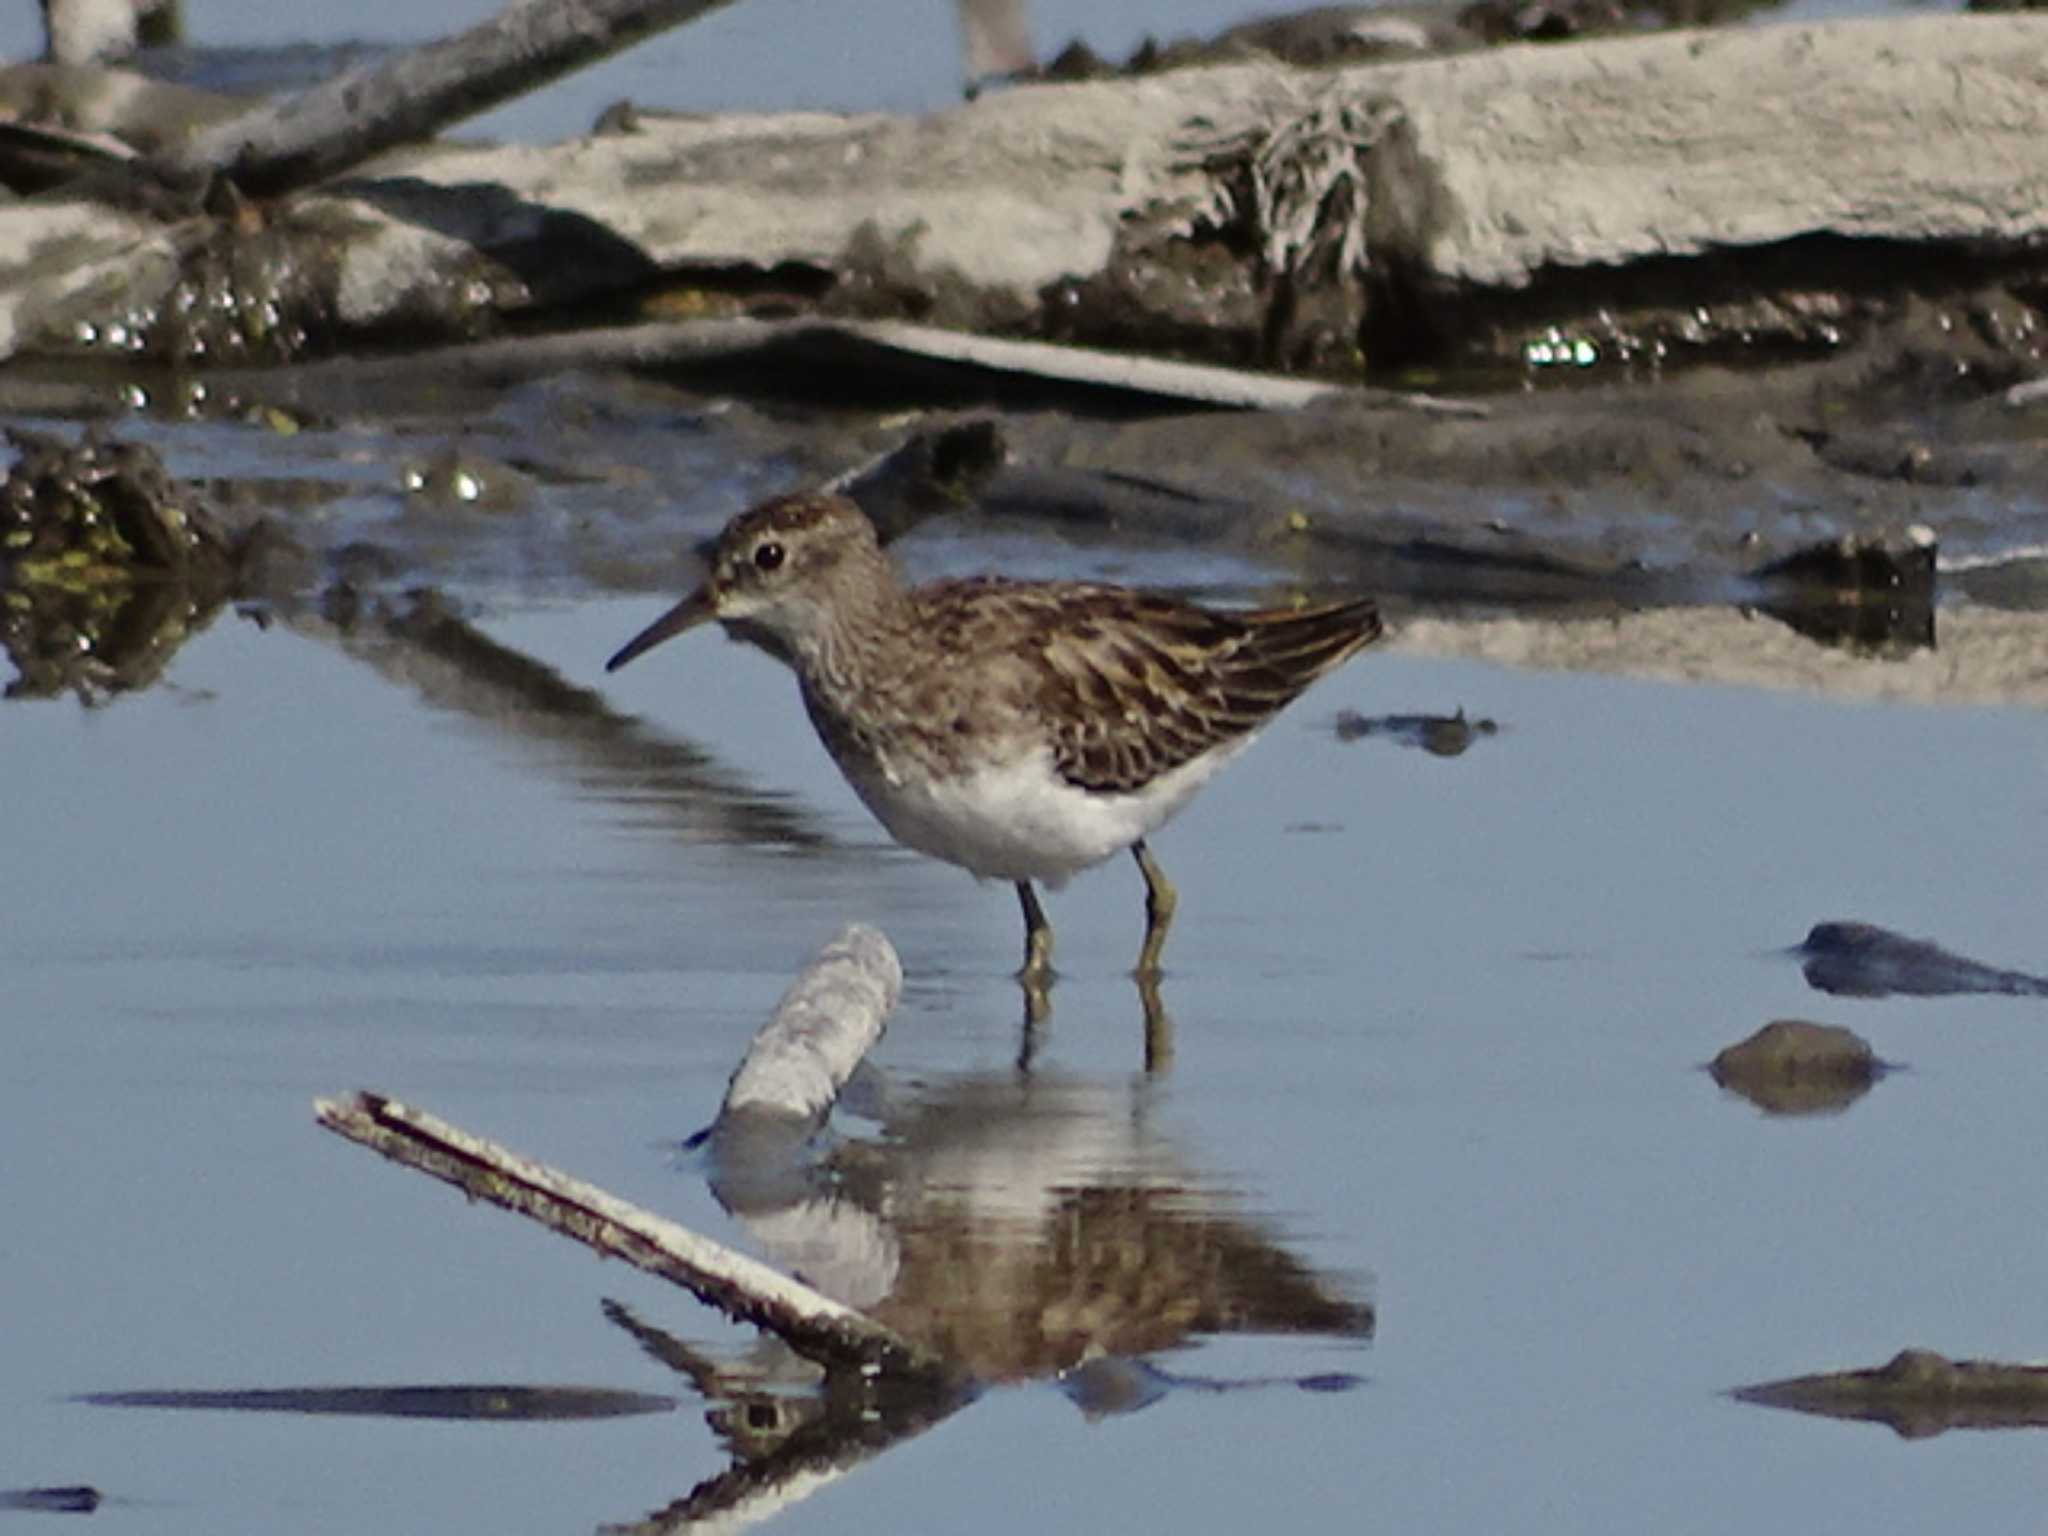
x=1795 y=1067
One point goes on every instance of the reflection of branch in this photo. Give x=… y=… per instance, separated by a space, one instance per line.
x=785 y=1445
x=454 y=666
x=511 y=1402
x=705 y=1375
x=858 y=1423
x=813 y=1324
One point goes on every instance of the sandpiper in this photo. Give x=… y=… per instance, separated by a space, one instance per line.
x=1023 y=730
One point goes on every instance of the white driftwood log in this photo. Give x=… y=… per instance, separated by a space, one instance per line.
x=829 y=1019
x=1483 y=168
x=660 y=343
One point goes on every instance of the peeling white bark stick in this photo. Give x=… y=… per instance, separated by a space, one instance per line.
x=830 y=1018
x=812 y=1324
x=842 y=345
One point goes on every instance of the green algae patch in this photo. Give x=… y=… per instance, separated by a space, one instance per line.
x=107 y=563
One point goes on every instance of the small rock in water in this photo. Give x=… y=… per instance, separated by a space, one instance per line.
x=1851 y=959
x=76 y=1499
x=1918 y=1393
x=1438 y=735
x=1794 y=1067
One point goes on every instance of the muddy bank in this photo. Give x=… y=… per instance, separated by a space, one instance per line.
x=1847 y=496
x=1635 y=200
x=1983 y=656
x=1786 y=528
x=1770 y=193
x=107 y=564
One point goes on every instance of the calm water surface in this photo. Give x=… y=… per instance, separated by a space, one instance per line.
x=1438 y=1026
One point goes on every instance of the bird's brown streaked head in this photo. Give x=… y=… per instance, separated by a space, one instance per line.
x=766 y=567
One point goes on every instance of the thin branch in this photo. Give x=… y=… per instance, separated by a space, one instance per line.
x=319 y=133
x=811 y=1323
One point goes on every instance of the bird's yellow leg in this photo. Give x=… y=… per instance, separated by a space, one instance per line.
x=1160 y=901
x=1037 y=937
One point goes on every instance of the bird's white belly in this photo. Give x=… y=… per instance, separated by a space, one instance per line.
x=1021 y=821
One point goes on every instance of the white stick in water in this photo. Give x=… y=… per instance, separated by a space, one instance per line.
x=830 y=1017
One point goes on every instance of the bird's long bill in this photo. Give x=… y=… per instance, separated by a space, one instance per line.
x=688 y=614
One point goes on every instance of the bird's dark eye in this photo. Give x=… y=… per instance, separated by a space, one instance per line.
x=769 y=556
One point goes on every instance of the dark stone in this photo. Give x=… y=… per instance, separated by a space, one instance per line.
x=1862 y=960
x=1918 y=1393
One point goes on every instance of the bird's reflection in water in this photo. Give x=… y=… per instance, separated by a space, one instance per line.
x=1038 y=1221
x=1158 y=1024
x=1023 y=1226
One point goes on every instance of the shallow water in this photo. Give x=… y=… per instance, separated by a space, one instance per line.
x=1437 y=1030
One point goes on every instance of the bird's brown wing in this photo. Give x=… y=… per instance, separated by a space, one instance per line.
x=1131 y=685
